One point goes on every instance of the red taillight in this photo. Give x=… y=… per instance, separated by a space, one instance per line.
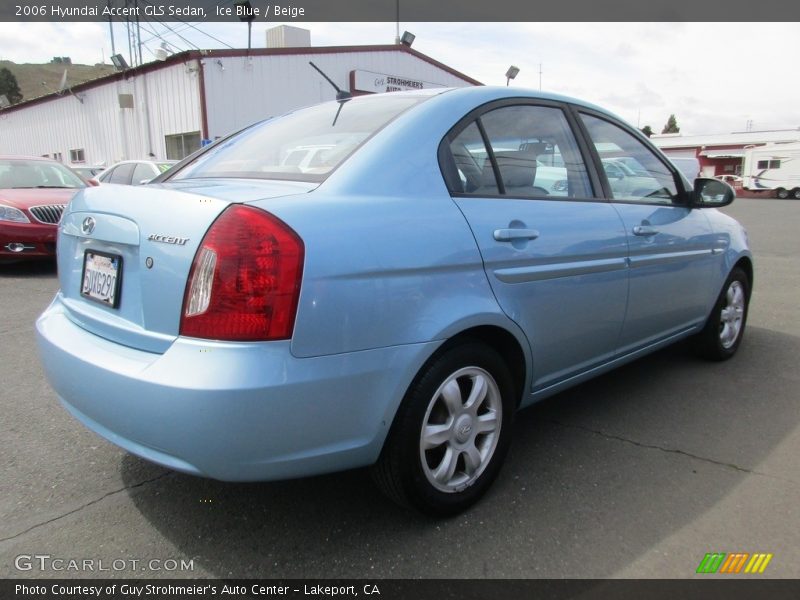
x=245 y=279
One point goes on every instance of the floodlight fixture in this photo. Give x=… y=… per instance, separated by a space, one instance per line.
x=246 y=12
x=511 y=73
x=407 y=38
x=246 y=15
x=119 y=62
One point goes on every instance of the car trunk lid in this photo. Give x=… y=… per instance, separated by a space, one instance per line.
x=145 y=238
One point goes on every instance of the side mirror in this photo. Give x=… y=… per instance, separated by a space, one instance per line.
x=711 y=193
x=93 y=182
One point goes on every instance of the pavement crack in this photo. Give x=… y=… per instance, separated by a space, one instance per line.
x=86 y=505
x=678 y=451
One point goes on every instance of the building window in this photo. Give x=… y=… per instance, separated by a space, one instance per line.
x=182 y=145
x=58 y=156
x=77 y=156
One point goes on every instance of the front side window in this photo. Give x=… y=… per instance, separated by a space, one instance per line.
x=533 y=155
x=306 y=145
x=633 y=171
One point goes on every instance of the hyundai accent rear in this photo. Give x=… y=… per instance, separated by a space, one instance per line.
x=382 y=281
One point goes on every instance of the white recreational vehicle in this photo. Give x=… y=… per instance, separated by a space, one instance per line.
x=774 y=167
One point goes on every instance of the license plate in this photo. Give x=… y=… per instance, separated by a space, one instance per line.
x=101 y=277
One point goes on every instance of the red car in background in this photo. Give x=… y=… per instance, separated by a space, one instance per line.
x=33 y=194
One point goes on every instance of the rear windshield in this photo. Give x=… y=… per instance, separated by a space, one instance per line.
x=305 y=145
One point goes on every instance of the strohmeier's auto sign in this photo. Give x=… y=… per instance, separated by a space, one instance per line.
x=367 y=81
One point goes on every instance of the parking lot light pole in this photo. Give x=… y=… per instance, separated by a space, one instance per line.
x=249 y=17
x=511 y=74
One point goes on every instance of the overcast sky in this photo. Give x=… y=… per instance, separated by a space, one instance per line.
x=715 y=77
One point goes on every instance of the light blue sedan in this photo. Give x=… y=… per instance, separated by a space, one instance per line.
x=380 y=281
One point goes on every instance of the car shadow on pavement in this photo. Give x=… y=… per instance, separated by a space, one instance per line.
x=596 y=476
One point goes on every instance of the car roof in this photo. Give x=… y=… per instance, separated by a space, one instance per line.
x=489 y=93
x=23 y=157
x=144 y=160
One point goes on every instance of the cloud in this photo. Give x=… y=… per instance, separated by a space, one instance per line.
x=40 y=42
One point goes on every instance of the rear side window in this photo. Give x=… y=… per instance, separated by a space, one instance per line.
x=475 y=172
x=305 y=145
x=531 y=153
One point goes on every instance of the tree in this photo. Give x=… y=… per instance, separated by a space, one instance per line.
x=647 y=130
x=9 y=86
x=671 y=126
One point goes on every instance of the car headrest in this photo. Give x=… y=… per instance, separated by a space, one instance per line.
x=518 y=169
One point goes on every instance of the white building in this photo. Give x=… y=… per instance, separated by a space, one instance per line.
x=165 y=109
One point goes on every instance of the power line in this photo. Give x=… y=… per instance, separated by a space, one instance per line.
x=187 y=25
x=156 y=35
x=193 y=27
x=190 y=43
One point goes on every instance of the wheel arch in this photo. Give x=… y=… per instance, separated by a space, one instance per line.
x=746 y=265
x=505 y=343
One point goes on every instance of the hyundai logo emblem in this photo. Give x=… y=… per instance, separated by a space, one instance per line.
x=87 y=226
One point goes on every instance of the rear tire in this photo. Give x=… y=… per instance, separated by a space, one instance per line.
x=724 y=330
x=781 y=193
x=451 y=432
x=796 y=193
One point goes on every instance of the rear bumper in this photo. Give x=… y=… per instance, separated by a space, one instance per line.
x=230 y=411
x=39 y=240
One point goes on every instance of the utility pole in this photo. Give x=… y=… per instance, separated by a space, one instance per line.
x=397 y=22
x=138 y=33
x=111 y=29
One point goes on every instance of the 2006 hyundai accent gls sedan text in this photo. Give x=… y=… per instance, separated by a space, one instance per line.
x=392 y=298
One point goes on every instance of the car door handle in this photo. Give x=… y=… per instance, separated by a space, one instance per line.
x=644 y=230
x=509 y=235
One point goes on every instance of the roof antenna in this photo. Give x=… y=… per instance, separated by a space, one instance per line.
x=341 y=95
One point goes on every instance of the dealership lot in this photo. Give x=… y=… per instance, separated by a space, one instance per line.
x=636 y=474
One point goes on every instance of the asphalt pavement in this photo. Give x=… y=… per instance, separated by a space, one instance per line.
x=638 y=473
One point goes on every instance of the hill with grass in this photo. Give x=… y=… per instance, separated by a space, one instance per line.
x=38 y=80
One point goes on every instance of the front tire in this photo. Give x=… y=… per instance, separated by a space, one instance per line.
x=781 y=193
x=451 y=433
x=723 y=332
